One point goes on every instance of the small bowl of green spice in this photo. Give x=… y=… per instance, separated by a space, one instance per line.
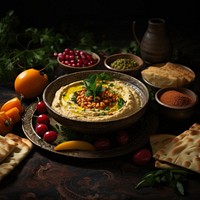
x=127 y=63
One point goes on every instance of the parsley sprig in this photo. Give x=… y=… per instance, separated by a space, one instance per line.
x=171 y=177
x=23 y=49
x=94 y=83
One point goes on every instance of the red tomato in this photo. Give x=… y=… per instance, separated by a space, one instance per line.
x=43 y=119
x=41 y=129
x=142 y=157
x=122 y=137
x=41 y=107
x=50 y=136
x=102 y=144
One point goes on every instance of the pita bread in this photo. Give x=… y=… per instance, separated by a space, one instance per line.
x=168 y=75
x=164 y=165
x=189 y=76
x=159 y=77
x=157 y=142
x=183 y=150
x=195 y=126
x=23 y=147
x=6 y=147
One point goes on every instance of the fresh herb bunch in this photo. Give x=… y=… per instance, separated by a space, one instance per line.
x=33 y=47
x=94 y=87
x=94 y=83
x=23 y=49
x=171 y=177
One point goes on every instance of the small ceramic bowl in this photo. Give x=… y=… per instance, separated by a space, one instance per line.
x=133 y=71
x=70 y=69
x=174 y=106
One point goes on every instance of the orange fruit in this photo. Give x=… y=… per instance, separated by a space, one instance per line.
x=30 y=83
x=14 y=114
x=14 y=102
x=6 y=123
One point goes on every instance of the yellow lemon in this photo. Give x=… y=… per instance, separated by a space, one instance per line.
x=74 y=145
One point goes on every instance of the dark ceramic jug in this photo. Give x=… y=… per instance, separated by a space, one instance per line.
x=155 y=46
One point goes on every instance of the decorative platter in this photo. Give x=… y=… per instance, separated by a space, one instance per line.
x=138 y=138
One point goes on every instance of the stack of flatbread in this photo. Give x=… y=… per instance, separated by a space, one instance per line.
x=13 y=149
x=181 y=151
x=168 y=75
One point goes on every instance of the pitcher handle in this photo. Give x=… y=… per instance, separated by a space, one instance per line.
x=134 y=33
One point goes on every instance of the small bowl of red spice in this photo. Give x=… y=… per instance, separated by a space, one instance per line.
x=176 y=103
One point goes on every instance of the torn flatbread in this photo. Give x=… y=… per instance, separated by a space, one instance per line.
x=21 y=150
x=6 y=147
x=183 y=150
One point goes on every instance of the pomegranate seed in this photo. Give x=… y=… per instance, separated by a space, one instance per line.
x=75 y=58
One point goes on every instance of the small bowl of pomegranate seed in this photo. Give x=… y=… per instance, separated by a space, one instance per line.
x=73 y=60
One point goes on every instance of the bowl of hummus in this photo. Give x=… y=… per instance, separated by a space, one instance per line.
x=96 y=101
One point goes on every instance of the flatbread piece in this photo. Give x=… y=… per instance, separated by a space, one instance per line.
x=21 y=150
x=6 y=147
x=168 y=75
x=183 y=150
x=157 y=141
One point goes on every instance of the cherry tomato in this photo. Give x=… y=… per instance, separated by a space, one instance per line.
x=50 y=136
x=41 y=107
x=43 y=119
x=122 y=137
x=41 y=129
x=30 y=83
x=102 y=144
x=142 y=157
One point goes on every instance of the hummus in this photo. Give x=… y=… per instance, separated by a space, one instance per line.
x=116 y=100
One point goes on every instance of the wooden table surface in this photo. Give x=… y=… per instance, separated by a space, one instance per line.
x=46 y=175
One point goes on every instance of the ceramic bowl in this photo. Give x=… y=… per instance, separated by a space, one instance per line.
x=69 y=69
x=177 y=112
x=134 y=71
x=95 y=127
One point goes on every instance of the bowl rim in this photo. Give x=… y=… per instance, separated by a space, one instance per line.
x=184 y=90
x=123 y=54
x=79 y=68
x=145 y=103
x=150 y=84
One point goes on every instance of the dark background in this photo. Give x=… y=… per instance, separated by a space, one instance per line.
x=53 y=13
x=112 y=18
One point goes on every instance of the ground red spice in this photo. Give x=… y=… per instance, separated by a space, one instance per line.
x=175 y=98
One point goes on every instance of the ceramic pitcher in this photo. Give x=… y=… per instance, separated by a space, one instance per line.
x=155 y=46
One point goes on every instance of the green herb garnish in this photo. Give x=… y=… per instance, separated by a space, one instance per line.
x=171 y=177
x=29 y=48
x=74 y=96
x=94 y=83
x=120 y=103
